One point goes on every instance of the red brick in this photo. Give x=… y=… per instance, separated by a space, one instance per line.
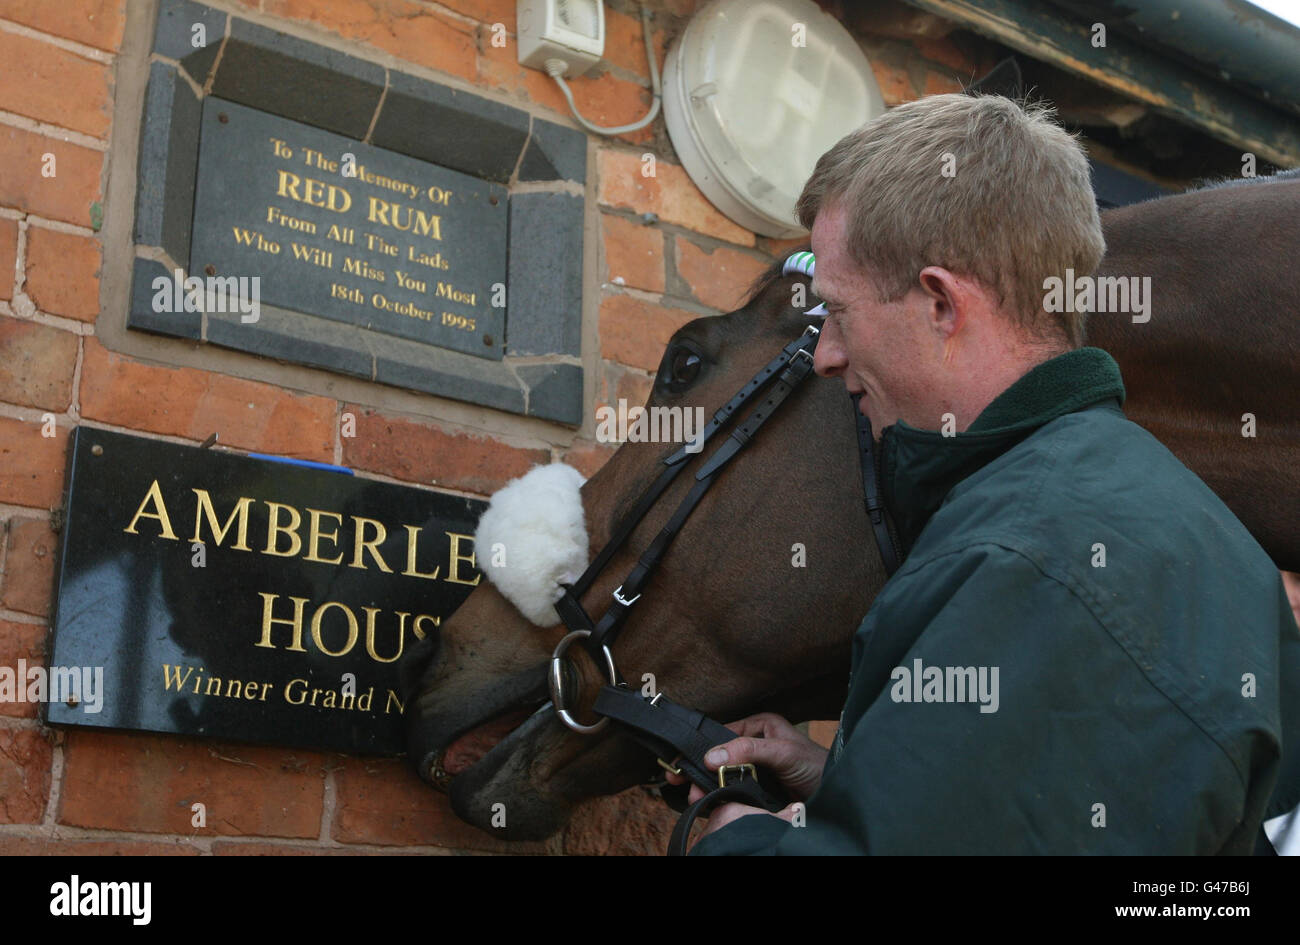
x=245 y=414
x=780 y=249
x=66 y=196
x=670 y=194
x=11 y=845
x=96 y=23
x=627 y=384
x=486 y=11
x=603 y=99
x=408 y=30
x=147 y=783
x=938 y=82
x=720 y=279
x=380 y=801
x=895 y=84
x=948 y=53
x=634 y=823
x=8 y=257
x=36 y=370
x=587 y=457
x=25 y=758
x=31 y=465
x=634 y=332
x=421 y=452
x=63 y=273
x=498 y=66
x=29 y=566
x=42 y=81
x=634 y=253
x=232 y=848
x=21 y=641
x=625 y=43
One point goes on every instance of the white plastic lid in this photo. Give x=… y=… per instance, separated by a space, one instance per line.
x=750 y=112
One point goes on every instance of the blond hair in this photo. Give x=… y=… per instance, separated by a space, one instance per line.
x=981 y=185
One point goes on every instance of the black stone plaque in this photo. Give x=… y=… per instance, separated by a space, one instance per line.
x=282 y=624
x=343 y=230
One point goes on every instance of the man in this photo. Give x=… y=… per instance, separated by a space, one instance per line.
x=1083 y=649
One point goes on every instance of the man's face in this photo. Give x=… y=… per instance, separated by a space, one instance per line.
x=885 y=351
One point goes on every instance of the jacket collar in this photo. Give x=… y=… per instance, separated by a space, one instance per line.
x=920 y=467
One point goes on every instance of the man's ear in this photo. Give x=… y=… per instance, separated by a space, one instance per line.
x=947 y=301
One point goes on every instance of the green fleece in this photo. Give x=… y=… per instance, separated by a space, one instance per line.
x=1108 y=642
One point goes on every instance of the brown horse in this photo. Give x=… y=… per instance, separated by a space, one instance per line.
x=730 y=625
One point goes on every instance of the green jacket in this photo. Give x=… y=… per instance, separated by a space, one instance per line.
x=1130 y=633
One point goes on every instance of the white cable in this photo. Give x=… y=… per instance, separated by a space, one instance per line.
x=556 y=68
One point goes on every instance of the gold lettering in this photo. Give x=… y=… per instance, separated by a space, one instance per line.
x=286 y=189
x=274 y=528
x=204 y=507
x=155 y=495
x=415 y=221
x=370 y=635
x=288 y=694
x=361 y=543
x=392 y=698
x=315 y=193
x=418 y=630
x=352 y=628
x=267 y=601
x=412 y=538
x=314 y=536
x=453 y=572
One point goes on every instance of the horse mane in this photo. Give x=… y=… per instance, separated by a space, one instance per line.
x=1292 y=174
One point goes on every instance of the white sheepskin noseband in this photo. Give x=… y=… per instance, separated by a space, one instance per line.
x=533 y=537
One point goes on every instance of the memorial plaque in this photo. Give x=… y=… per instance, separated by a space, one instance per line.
x=225 y=596
x=346 y=231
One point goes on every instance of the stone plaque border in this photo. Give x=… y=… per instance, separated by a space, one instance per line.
x=316 y=85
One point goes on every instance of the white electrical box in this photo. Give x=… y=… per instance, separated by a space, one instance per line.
x=569 y=30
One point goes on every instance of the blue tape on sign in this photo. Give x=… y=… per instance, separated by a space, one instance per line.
x=303 y=462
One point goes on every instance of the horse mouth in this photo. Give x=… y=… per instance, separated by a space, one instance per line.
x=472 y=746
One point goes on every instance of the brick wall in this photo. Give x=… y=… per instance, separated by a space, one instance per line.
x=664 y=256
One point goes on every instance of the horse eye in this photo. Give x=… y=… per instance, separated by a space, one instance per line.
x=680 y=369
x=686 y=366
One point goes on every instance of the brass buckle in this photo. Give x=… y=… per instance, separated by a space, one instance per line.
x=667 y=767
x=742 y=768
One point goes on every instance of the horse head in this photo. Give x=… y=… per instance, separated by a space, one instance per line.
x=790 y=506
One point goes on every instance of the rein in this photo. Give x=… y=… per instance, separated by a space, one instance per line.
x=663 y=727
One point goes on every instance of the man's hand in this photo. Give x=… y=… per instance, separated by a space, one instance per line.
x=773 y=743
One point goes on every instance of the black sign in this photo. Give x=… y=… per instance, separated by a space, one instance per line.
x=340 y=229
x=206 y=593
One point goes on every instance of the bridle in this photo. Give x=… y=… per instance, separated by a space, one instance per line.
x=665 y=728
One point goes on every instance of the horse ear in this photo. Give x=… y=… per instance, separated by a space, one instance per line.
x=1002 y=79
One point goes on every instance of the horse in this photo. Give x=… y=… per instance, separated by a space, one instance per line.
x=731 y=624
